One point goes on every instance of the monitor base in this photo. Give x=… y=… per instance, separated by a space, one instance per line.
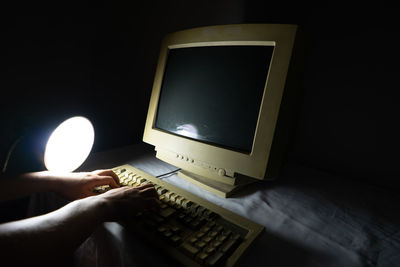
x=217 y=188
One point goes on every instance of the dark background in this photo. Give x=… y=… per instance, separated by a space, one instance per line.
x=97 y=59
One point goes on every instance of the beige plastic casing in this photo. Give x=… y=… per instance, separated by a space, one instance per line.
x=212 y=161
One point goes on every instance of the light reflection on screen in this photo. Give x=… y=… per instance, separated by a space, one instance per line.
x=188 y=130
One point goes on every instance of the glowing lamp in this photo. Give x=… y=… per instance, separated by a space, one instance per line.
x=69 y=145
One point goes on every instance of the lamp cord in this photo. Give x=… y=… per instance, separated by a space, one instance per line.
x=10 y=151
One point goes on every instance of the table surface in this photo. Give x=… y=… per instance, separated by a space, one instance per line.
x=310 y=219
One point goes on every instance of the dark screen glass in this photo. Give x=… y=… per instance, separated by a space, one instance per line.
x=213 y=94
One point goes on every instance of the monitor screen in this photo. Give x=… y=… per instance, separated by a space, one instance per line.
x=213 y=93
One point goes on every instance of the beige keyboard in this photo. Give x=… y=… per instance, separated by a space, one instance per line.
x=193 y=231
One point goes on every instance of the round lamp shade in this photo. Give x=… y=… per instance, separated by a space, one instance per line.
x=69 y=145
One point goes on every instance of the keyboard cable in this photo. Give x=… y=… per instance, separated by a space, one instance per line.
x=167 y=174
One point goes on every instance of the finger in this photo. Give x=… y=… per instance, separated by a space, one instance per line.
x=149 y=192
x=109 y=173
x=107 y=180
x=114 y=191
x=113 y=183
x=140 y=187
x=114 y=176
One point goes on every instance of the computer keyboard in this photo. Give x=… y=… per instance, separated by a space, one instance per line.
x=192 y=230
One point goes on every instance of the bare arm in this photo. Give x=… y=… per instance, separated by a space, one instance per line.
x=47 y=239
x=70 y=185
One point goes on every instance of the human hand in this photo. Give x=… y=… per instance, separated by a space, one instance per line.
x=81 y=184
x=125 y=202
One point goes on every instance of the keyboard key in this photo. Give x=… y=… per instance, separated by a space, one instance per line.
x=194 y=207
x=216 y=243
x=186 y=203
x=227 y=233
x=218 y=228
x=193 y=239
x=199 y=234
x=175 y=240
x=161 y=191
x=187 y=220
x=164 y=199
x=177 y=207
x=221 y=238
x=173 y=197
x=176 y=229
x=162 y=229
x=207 y=239
x=156 y=187
x=169 y=194
x=146 y=182
x=236 y=236
x=101 y=189
x=213 y=234
x=119 y=171
x=209 y=249
x=215 y=259
x=181 y=216
x=205 y=229
x=200 y=210
x=179 y=200
x=201 y=257
x=210 y=224
x=189 y=249
x=163 y=206
x=196 y=224
x=209 y=214
x=140 y=180
x=167 y=234
x=200 y=244
x=166 y=213
x=229 y=245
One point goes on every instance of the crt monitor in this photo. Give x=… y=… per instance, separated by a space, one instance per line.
x=216 y=102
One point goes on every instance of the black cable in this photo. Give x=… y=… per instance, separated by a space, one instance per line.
x=168 y=173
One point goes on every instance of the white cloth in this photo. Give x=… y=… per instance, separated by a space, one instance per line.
x=310 y=218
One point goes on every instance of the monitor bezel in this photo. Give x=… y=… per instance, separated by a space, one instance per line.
x=197 y=155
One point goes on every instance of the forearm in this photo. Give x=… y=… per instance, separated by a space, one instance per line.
x=25 y=184
x=69 y=185
x=53 y=236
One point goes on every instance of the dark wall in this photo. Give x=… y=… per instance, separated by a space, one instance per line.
x=90 y=58
x=350 y=113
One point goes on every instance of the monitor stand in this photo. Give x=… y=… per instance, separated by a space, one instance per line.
x=218 y=188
